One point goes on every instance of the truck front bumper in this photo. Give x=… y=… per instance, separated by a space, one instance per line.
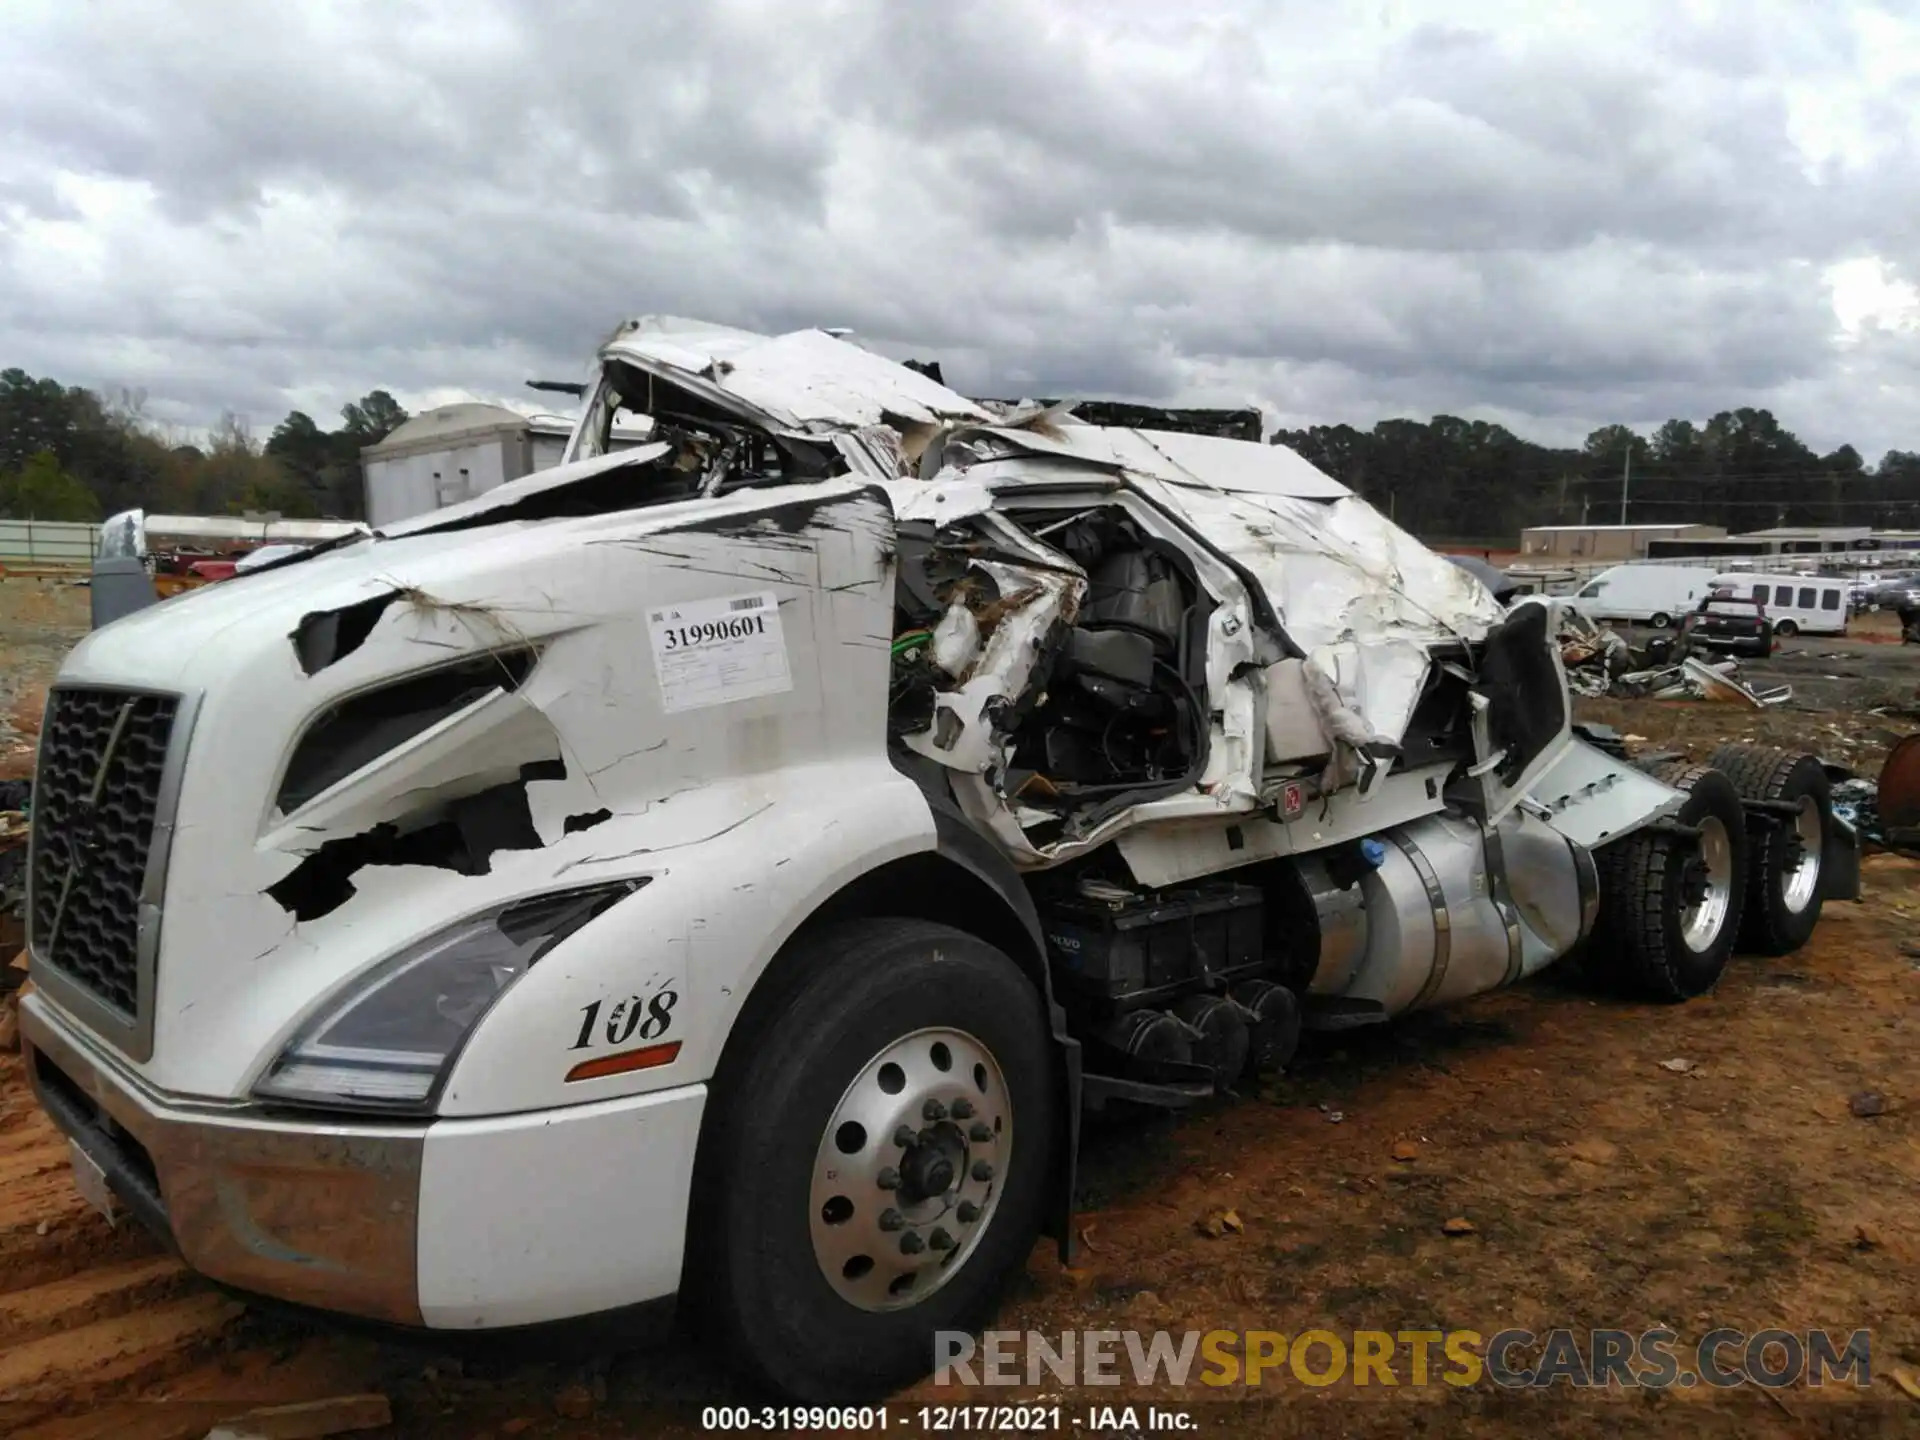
x=470 y=1224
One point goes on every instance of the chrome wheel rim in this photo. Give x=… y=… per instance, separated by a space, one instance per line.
x=1803 y=876
x=1705 y=913
x=910 y=1169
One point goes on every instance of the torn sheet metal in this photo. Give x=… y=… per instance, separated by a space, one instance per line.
x=1337 y=570
x=805 y=382
x=966 y=733
x=1205 y=462
x=875 y=450
x=956 y=640
x=988 y=738
x=1720 y=684
x=1356 y=742
x=1340 y=576
x=942 y=501
x=1708 y=683
x=517 y=492
x=487 y=744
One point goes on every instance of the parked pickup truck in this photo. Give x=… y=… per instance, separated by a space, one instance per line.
x=730 y=865
x=1731 y=621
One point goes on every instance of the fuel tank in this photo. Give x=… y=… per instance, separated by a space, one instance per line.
x=1443 y=909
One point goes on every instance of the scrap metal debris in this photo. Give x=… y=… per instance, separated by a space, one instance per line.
x=1599 y=661
x=1700 y=680
x=1857 y=802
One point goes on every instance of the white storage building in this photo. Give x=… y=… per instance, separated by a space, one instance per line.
x=454 y=452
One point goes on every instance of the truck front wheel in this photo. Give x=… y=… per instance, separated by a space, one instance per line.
x=876 y=1166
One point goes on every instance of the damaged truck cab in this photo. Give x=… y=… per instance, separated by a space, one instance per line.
x=724 y=869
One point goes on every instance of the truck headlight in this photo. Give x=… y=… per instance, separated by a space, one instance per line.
x=388 y=1039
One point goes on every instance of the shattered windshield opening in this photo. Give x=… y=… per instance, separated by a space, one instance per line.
x=1060 y=656
x=720 y=452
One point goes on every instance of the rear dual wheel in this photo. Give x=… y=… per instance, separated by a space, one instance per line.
x=1669 y=901
x=1784 y=892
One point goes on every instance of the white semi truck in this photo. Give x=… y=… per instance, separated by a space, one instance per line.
x=726 y=868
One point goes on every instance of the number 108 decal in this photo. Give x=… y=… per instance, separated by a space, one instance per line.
x=637 y=1017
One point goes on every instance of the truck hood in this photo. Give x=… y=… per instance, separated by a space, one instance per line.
x=548 y=754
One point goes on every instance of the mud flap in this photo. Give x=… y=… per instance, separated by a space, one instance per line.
x=1593 y=799
x=1100 y=1089
x=1840 y=864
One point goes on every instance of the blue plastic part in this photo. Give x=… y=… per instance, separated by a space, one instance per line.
x=1374 y=852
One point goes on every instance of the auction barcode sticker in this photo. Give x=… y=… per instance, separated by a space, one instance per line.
x=713 y=652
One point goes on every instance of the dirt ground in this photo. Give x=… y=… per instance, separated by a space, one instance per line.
x=39 y=621
x=1603 y=1188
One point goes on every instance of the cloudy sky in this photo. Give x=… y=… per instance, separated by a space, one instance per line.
x=1549 y=214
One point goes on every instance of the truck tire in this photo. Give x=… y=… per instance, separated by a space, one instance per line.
x=1660 y=620
x=874 y=1159
x=1784 y=896
x=1669 y=905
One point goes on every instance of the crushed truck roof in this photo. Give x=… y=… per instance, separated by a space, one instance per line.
x=1341 y=581
x=804 y=382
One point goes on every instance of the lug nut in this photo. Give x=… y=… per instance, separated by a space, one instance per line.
x=903 y=1137
x=940 y=1239
x=966 y=1212
x=980 y=1133
x=963 y=1109
x=892 y=1220
x=911 y=1243
x=888 y=1179
x=933 y=1110
x=982 y=1170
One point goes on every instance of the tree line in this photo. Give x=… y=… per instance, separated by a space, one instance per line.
x=1460 y=479
x=70 y=453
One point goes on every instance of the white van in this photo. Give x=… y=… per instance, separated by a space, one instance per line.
x=1797 y=604
x=1654 y=594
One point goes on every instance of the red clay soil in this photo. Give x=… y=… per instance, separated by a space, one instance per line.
x=1604 y=1190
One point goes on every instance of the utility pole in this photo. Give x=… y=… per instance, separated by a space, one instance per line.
x=1626 y=480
